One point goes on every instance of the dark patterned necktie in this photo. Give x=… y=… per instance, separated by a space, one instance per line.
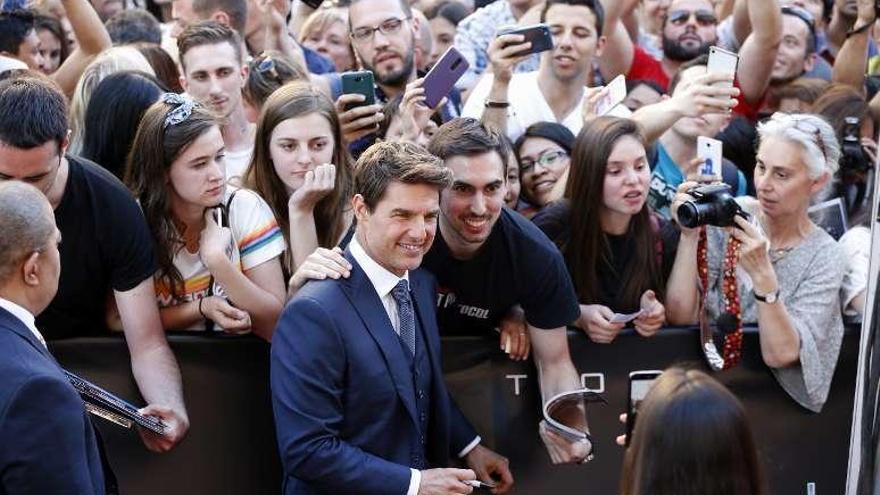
x=407 y=332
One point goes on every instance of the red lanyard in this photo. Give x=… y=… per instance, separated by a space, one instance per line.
x=732 y=347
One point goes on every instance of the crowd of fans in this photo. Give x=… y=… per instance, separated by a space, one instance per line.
x=199 y=157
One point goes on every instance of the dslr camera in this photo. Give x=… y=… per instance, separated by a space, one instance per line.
x=713 y=204
x=853 y=157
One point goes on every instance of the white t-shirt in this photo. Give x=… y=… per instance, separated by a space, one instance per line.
x=527 y=105
x=856 y=243
x=256 y=239
x=237 y=163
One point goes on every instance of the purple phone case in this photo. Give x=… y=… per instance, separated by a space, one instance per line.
x=443 y=76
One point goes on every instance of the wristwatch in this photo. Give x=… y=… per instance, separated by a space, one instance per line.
x=769 y=298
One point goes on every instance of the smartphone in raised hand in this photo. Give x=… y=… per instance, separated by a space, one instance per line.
x=443 y=76
x=640 y=383
x=722 y=61
x=359 y=82
x=538 y=34
x=709 y=151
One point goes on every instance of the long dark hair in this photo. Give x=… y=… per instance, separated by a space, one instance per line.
x=588 y=245
x=154 y=149
x=691 y=437
x=113 y=115
x=297 y=99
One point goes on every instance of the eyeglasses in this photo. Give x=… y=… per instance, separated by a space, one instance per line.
x=388 y=27
x=805 y=125
x=551 y=159
x=704 y=17
x=266 y=66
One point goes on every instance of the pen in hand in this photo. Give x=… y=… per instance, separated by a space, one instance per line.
x=478 y=483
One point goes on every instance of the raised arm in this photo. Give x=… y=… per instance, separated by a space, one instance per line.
x=849 y=66
x=758 y=52
x=92 y=39
x=682 y=291
x=691 y=99
x=617 y=55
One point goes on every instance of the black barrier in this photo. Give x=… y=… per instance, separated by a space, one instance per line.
x=231 y=445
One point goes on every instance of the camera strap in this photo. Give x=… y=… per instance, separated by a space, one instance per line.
x=731 y=350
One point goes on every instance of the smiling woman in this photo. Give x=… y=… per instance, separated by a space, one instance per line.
x=218 y=249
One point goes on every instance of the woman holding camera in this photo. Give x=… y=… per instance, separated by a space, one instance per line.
x=780 y=271
x=617 y=251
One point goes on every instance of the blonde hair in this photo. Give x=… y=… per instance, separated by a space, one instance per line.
x=320 y=20
x=116 y=59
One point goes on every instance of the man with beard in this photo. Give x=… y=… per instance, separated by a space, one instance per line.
x=555 y=92
x=689 y=30
x=213 y=74
x=383 y=36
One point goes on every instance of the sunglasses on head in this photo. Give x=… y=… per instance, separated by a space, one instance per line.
x=703 y=17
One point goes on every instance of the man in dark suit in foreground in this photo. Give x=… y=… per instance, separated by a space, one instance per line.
x=47 y=443
x=357 y=385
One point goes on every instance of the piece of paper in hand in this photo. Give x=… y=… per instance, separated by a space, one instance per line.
x=624 y=318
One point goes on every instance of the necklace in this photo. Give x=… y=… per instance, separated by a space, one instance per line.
x=779 y=253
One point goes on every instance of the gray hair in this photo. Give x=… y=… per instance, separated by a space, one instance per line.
x=815 y=136
x=25 y=226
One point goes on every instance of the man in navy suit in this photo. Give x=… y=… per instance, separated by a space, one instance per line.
x=357 y=385
x=47 y=443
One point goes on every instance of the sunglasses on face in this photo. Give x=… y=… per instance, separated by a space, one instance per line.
x=704 y=17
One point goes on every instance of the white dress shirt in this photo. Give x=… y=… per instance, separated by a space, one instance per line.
x=24 y=315
x=384 y=281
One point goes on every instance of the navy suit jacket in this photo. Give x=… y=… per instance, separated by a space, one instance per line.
x=342 y=390
x=47 y=442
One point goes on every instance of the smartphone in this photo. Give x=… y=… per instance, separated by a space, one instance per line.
x=359 y=82
x=709 y=150
x=616 y=92
x=722 y=61
x=639 y=384
x=538 y=34
x=443 y=76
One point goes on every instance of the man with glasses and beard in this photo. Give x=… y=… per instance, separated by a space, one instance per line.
x=383 y=34
x=689 y=29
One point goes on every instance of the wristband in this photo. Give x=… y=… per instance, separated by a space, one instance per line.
x=859 y=30
x=497 y=104
x=200 y=309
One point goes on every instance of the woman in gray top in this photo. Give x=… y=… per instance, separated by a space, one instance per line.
x=789 y=270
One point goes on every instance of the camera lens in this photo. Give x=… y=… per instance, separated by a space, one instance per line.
x=689 y=214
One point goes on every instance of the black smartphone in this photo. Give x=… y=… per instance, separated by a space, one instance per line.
x=359 y=82
x=538 y=34
x=639 y=384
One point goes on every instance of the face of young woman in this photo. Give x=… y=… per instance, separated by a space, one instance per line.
x=542 y=163
x=627 y=176
x=198 y=176
x=298 y=145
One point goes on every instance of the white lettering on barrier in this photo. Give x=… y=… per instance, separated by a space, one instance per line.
x=516 y=379
x=597 y=379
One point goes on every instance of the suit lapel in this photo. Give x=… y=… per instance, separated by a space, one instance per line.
x=16 y=326
x=423 y=300
x=367 y=304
